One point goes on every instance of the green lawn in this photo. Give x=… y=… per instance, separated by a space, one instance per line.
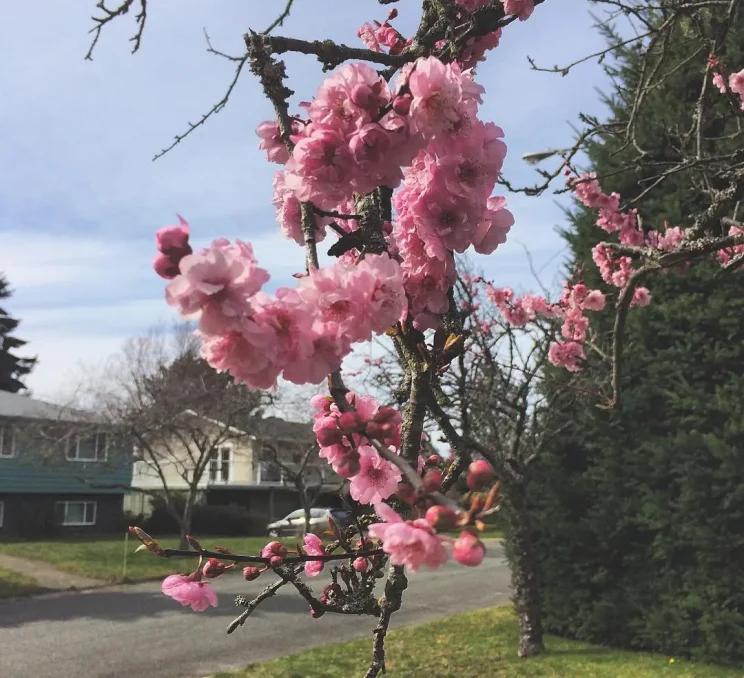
x=103 y=558
x=481 y=643
x=14 y=584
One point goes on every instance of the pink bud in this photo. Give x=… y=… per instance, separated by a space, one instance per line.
x=480 y=474
x=174 y=240
x=441 y=517
x=350 y=422
x=360 y=564
x=349 y=466
x=213 y=568
x=250 y=573
x=329 y=436
x=165 y=267
x=402 y=104
x=433 y=479
x=275 y=552
x=434 y=459
x=468 y=549
x=406 y=493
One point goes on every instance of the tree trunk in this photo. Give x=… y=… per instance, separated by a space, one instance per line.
x=187 y=516
x=520 y=551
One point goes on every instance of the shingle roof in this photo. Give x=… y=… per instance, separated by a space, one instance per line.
x=15 y=406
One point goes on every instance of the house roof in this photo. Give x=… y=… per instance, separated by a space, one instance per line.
x=15 y=406
x=281 y=429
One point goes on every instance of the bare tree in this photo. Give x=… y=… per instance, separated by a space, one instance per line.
x=177 y=413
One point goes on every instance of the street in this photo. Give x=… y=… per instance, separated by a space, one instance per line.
x=134 y=630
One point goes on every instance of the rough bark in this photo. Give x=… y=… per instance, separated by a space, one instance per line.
x=520 y=551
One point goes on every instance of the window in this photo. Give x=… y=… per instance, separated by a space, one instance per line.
x=76 y=512
x=219 y=465
x=91 y=447
x=2 y=513
x=7 y=442
x=269 y=472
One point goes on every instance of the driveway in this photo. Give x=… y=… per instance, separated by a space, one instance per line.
x=134 y=630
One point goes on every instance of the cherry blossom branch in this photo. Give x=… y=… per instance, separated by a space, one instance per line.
x=396 y=583
x=260 y=560
x=252 y=604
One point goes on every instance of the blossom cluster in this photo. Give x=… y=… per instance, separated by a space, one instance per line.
x=345 y=440
x=571 y=308
x=422 y=134
x=616 y=270
x=734 y=84
x=303 y=333
x=445 y=203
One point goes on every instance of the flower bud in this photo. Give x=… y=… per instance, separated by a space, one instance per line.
x=433 y=479
x=349 y=466
x=274 y=552
x=402 y=104
x=329 y=436
x=360 y=564
x=250 y=573
x=441 y=517
x=165 y=267
x=214 y=568
x=406 y=493
x=468 y=549
x=350 y=422
x=480 y=474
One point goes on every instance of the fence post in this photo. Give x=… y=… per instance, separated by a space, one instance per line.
x=126 y=555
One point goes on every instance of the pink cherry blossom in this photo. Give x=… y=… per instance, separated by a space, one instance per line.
x=641 y=297
x=313 y=546
x=521 y=8
x=568 y=354
x=217 y=281
x=377 y=478
x=190 y=592
x=272 y=142
x=412 y=543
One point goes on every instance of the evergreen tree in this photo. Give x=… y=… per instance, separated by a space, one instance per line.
x=638 y=512
x=12 y=367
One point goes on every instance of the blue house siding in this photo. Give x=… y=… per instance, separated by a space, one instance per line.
x=62 y=472
x=26 y=474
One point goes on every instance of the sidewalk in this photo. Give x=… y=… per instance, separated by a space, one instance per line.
x=46 y=575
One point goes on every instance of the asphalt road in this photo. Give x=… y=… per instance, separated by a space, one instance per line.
x=135 y=631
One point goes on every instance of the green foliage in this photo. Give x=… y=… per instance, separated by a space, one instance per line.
x=639 y=513
x=479 y=643
x=12 y=367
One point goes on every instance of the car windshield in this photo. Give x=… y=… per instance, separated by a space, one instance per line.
x=295 y=514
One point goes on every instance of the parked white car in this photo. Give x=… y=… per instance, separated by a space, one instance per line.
x=294 y=523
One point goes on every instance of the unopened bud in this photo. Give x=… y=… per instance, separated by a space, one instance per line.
x=402 y=104
x=441 y=517
x=433 y=479
x=360 y=564
x=480 y=474
x=250 y=573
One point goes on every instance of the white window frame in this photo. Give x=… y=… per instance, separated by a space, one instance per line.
x=259 y=475
x=7 y=434
x=73 y=445
x=2 y=513
x=218 y=480
x=65 y=504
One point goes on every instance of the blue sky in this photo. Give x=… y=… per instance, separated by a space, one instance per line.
x=80 y=198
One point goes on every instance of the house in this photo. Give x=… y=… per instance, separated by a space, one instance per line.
x=61 y=471
x=251 y=467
